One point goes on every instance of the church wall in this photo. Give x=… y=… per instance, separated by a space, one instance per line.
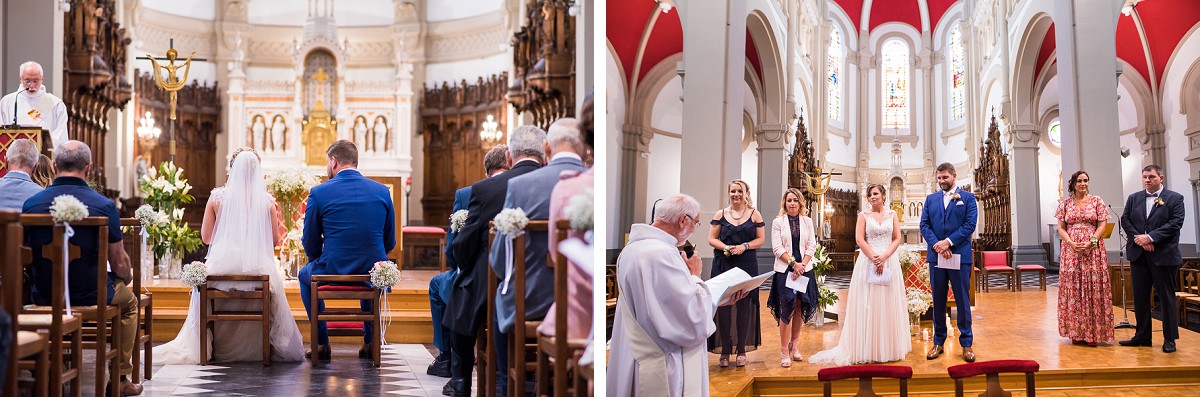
x=436 y=73
x=448 y=10
x=614 y=118
x=667 y=113
x=664 y=176
x=1177 y=169
x=880 y=154
x=750 y=172
x=1131 y=169
x=198 y=9
x=1049 y=169
x=294 y=13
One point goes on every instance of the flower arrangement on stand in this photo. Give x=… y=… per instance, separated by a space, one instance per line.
x=826 y=297
x=166 y=192
x=289 y=187
x=918 y=302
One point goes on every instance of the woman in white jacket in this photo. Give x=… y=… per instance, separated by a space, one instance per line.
x=793 y=241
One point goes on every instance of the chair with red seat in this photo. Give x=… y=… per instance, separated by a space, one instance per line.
x=345 y=321
x=864 y=373
x=993 y=369
x=996 y=262
x=1039 y=269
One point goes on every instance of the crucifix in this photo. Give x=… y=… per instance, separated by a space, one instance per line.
x=172 y=83
x=817 y=182
x=320 y=77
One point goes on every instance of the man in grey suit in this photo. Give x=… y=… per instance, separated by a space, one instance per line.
x=16 y=186
x=531 y=193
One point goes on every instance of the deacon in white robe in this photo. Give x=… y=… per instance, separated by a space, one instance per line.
x=35 y=106
x=664 y=311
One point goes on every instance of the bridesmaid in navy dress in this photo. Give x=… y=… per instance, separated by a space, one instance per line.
x=736 y=232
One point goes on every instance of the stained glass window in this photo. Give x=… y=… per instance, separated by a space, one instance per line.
x=895 y=85
x=958 y=74
x=1055 y=133
x=833 y=71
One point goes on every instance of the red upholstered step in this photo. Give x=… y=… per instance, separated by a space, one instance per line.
x=865 y=371
x=992 y=367
x=344 y=288
x=345 y=325
x=422 y=230
x=1031 y=267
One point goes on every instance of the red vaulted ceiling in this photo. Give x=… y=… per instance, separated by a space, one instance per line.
x=903 y=11
x=1166 y=23
x=626 y=23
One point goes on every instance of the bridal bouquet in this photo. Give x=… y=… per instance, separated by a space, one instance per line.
x=194 y=274
x=580 y=210
x=457 y=220
x=66 y=208
x=166 y=192
x=385 y=274
x=511 y=221
x=289 y=186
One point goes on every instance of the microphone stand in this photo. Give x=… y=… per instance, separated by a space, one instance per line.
x=15 y=99
x=1124 y=324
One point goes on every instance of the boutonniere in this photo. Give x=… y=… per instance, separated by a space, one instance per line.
x=1158 y=201
x=955 y=196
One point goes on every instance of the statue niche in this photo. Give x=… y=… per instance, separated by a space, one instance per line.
x=320 y=129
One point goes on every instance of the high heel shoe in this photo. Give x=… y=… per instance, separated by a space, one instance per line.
x=796 y=356
x=785 y=360
x=741 y=360
x=724 y=361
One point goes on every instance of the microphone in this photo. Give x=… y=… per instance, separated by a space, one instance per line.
x=17 y=96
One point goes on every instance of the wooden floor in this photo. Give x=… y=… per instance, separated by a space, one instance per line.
x=1007 y=325
x=408 y=304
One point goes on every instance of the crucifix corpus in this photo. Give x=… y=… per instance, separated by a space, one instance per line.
x=817 y=182
x=172 y=83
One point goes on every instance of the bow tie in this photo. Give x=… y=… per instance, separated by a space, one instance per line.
x=1151 y=194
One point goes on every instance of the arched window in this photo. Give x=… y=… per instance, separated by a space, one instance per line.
x=833 y=75
x=958 y=74
x=895 y=85
x=1055 y=132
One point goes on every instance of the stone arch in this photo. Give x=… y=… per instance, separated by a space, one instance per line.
x=1023 y=107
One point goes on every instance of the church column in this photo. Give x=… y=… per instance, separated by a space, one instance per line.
x=925 y=61
x=714 y=59
x=635 y=164
x=1022 y=181
x=1157 y=141
x=33 y=31
x=772 y=179
x=1087 y=78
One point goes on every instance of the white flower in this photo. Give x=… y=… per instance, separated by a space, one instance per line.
x=161 y=218
x=385 y=274
x=177 y=213
x=194 y=274
x=580 y=210
x=179 y=184
x=511 y=222
x=67 y=208
x=146 y=214
x=458 y=220
x=168 y=188
x=151 y=173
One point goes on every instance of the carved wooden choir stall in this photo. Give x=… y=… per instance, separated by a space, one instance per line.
x=544 y=57
x=992 y=194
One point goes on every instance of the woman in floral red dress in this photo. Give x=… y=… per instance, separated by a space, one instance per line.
x=1084 y=295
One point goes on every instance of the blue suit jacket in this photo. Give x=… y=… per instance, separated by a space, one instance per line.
x=956 y=222
x=349 y=224
x=461 y=198
x=15 y=188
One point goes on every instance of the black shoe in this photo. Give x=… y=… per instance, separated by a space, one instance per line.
x=1134 y=342
x=365 y=351
x=323 y=353
x=1169 y=346
x=440 y=368
x=457 y=388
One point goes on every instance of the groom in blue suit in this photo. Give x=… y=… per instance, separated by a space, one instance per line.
x=947 y=223
x=349 y=225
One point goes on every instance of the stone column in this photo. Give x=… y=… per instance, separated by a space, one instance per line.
x=772 y=180
x=1156 y=141
x=1022 y=182
x=635 y=161
x=33 y=31
x=714 y=62
x=1087 y=83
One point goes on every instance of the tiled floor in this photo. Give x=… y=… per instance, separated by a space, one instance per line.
x=402 y=374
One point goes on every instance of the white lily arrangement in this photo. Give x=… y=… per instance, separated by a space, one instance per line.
x=166 y=192
x=194 y=274
x=66 y=208
x=580 y=210
x=458 y=220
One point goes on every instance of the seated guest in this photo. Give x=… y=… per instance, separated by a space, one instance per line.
x=494 y=162
x=72 y=162
x=43 y=173
x=531 y=193
x=17 y=186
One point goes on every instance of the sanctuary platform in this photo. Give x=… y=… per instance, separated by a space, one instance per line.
x=408 y=303
x=1007 y=325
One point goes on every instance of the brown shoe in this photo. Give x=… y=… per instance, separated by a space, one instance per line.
x=968 y=355
x=935 y=352
x=131 y=389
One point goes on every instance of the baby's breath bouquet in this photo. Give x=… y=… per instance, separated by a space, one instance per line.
x=580 y=210
x=290 y=186
x=166 y=192
x=66 y=208
x=458 y=220
x=194 y=274
x=511 y=221
x=385 y=274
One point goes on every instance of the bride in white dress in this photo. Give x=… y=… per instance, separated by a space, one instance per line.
x=241 y=224
x=875 y=321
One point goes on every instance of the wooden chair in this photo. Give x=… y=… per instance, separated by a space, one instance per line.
x=1187 y=298
x=210 y=313
x=523 y=330
x=424 y=236
x=557 y=348
x=144 y=342
x=486 y=368
x=102 y=325
x=28 y=347
x=993 y=369
x=65 y=331
x=1039 y=269
x=864 y=373
x=996 y=262
x=345 y=321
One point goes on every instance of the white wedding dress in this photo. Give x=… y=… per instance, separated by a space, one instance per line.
x=242 y=244
x=875 y=321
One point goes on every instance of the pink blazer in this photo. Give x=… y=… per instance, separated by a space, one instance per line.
x=781 y=241
x=579 y=285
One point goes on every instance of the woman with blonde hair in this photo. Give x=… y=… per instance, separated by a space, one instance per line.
x=793 y=240
x=737 y=230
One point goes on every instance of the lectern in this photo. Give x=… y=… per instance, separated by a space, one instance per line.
x=10 y=133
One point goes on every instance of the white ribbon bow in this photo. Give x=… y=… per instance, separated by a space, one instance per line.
x=508 y=264
x=68 y=232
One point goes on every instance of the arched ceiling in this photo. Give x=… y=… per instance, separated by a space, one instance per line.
x=909 y=12
x=627 y=21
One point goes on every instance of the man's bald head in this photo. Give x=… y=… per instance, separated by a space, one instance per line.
x=31 y=76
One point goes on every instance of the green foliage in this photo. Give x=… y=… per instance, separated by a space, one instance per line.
x=166 y=192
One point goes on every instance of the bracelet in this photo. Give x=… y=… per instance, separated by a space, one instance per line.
x=746 y=246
